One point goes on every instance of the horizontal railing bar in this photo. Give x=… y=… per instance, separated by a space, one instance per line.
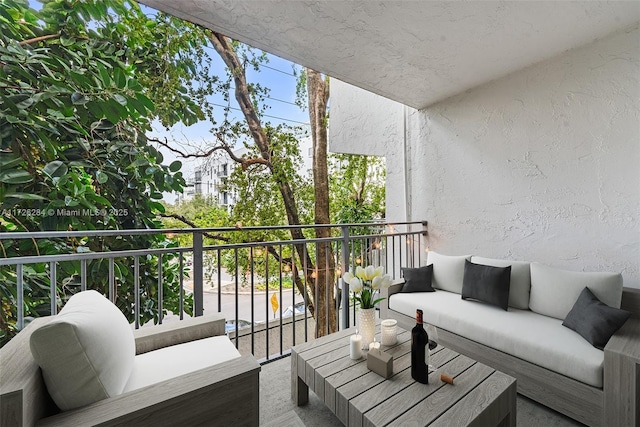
x=35 y=259
x=302 y=241
x=374 y=236
x=133 y=232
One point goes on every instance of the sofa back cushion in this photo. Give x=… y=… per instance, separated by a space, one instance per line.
x=86 y=352
x=555 y=291
x=520 y=279
x=448 y=271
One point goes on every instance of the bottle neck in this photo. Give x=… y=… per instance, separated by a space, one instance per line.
x=419 y=317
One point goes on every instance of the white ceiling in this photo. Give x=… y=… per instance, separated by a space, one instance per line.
x=414 y=52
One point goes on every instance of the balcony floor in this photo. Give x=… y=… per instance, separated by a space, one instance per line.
x=275 y=403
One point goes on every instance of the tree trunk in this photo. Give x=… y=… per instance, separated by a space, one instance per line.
x=318 y=94
x=224 y=48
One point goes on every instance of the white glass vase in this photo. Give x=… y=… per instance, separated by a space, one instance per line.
x=367 y=326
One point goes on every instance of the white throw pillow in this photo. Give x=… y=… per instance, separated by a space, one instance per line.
x=555 y=291
x=520 y=279
x=86 y=352
x=448 y=271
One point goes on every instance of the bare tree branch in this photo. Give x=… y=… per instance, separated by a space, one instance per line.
x=244 y=162
x=39 y=39
x=194 y=225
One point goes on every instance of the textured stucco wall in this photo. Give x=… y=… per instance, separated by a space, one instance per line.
x=542 y=165
x=365 y=123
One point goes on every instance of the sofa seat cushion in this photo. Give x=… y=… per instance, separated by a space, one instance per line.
x=86 y=352
x=177 y=360
x=535 y=338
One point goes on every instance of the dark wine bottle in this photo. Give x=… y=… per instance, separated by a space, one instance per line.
x=419 y=351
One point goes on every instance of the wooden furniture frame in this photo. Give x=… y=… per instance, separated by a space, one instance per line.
x=481 y=396
x=224 y=394
x=614 y=404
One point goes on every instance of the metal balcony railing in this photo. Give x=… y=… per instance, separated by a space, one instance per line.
x=267 y=290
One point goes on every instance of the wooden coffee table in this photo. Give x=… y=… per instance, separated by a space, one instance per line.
x=480 y=396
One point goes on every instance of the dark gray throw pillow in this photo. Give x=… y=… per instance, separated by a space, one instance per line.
x=594 y=320
x=487 y=284
x=418 y=279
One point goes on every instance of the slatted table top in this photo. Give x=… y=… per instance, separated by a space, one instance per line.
x=480 y=396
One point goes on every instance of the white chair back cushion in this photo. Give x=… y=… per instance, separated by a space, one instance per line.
x=448 y=271
x=520 y=286
x=86 y=352
x=555 y=291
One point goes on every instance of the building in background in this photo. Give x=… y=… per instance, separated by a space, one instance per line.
x=210 y=176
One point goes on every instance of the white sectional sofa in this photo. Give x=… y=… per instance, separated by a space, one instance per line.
x=553 y=364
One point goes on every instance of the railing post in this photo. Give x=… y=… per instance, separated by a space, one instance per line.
x=20 y=296
x=345 y=268
x=52 y=288
x=198 y=308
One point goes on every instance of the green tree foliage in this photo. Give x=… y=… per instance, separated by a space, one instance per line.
x=73 y=152
x=356 y=188
x=198 y=212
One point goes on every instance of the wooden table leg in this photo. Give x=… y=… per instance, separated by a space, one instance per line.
x=299 y=389
x=510 y=419
x=302 y=394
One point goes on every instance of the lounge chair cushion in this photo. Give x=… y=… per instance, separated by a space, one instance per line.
x=177 y=360
x=555 y=291
x=86 y=352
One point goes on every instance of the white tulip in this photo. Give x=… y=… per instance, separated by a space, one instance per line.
x=360 y=272
x=377 y=282
x=379 y=271
x=347 y=277
x=369 y=272
x=355 y=284
x=386 y=281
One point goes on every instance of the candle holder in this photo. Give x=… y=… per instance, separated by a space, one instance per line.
x=389 y=332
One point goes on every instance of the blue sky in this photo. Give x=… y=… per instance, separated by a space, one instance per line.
x=277 y=75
